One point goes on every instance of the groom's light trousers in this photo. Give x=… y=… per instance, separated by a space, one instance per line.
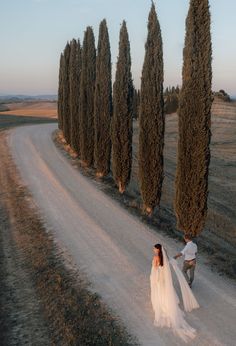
x=189 y=266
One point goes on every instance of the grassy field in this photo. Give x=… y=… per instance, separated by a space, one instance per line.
x=44 y=109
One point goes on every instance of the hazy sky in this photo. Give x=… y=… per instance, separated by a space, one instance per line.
x=34 y=32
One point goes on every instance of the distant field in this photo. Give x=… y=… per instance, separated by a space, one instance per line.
x=33 y=109
x=23 y=113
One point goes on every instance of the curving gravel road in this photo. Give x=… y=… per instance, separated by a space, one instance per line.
x=112 y=247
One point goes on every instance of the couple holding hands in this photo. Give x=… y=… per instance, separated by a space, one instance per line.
x=164 y=299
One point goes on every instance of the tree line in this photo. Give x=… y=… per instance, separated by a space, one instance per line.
x=96 y=118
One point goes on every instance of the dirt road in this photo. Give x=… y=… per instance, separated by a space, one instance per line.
x=112 y=247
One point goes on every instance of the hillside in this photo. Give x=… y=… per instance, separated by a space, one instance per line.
x=221 y=220
x=224 y=109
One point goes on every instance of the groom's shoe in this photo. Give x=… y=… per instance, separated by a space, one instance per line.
x=190 y=284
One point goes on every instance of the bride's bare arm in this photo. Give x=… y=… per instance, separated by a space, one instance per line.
x=156 y=261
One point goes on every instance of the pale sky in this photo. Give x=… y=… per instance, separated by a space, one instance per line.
x=34 y=32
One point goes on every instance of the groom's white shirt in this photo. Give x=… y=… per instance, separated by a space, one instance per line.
x=190 y=250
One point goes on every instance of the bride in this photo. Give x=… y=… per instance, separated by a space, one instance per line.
x=165 y=301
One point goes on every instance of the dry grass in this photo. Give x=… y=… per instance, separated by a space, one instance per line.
x=32 y=109
x=26 y=113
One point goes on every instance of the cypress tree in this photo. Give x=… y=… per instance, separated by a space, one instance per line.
x=87 y=87
x=122 y=114
x=75 y=70
x=194 y=121
x=60 y=94
x=151 y=118
x=66 y=94
x=103 y=103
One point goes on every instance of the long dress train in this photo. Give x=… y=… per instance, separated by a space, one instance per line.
x=165 y=301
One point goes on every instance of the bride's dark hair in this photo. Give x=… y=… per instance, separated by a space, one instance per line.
x=159 y=247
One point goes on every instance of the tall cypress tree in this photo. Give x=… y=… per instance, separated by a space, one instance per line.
x=66 y=94
x=151 y=117
x=75 y=70
x=60 y=94
x=122 y=114
x=194 y=121
x=87 y=87
x=103 y=103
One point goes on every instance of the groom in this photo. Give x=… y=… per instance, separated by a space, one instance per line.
x=189 y=252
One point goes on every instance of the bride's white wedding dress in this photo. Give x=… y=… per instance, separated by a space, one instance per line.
x=165 y=301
